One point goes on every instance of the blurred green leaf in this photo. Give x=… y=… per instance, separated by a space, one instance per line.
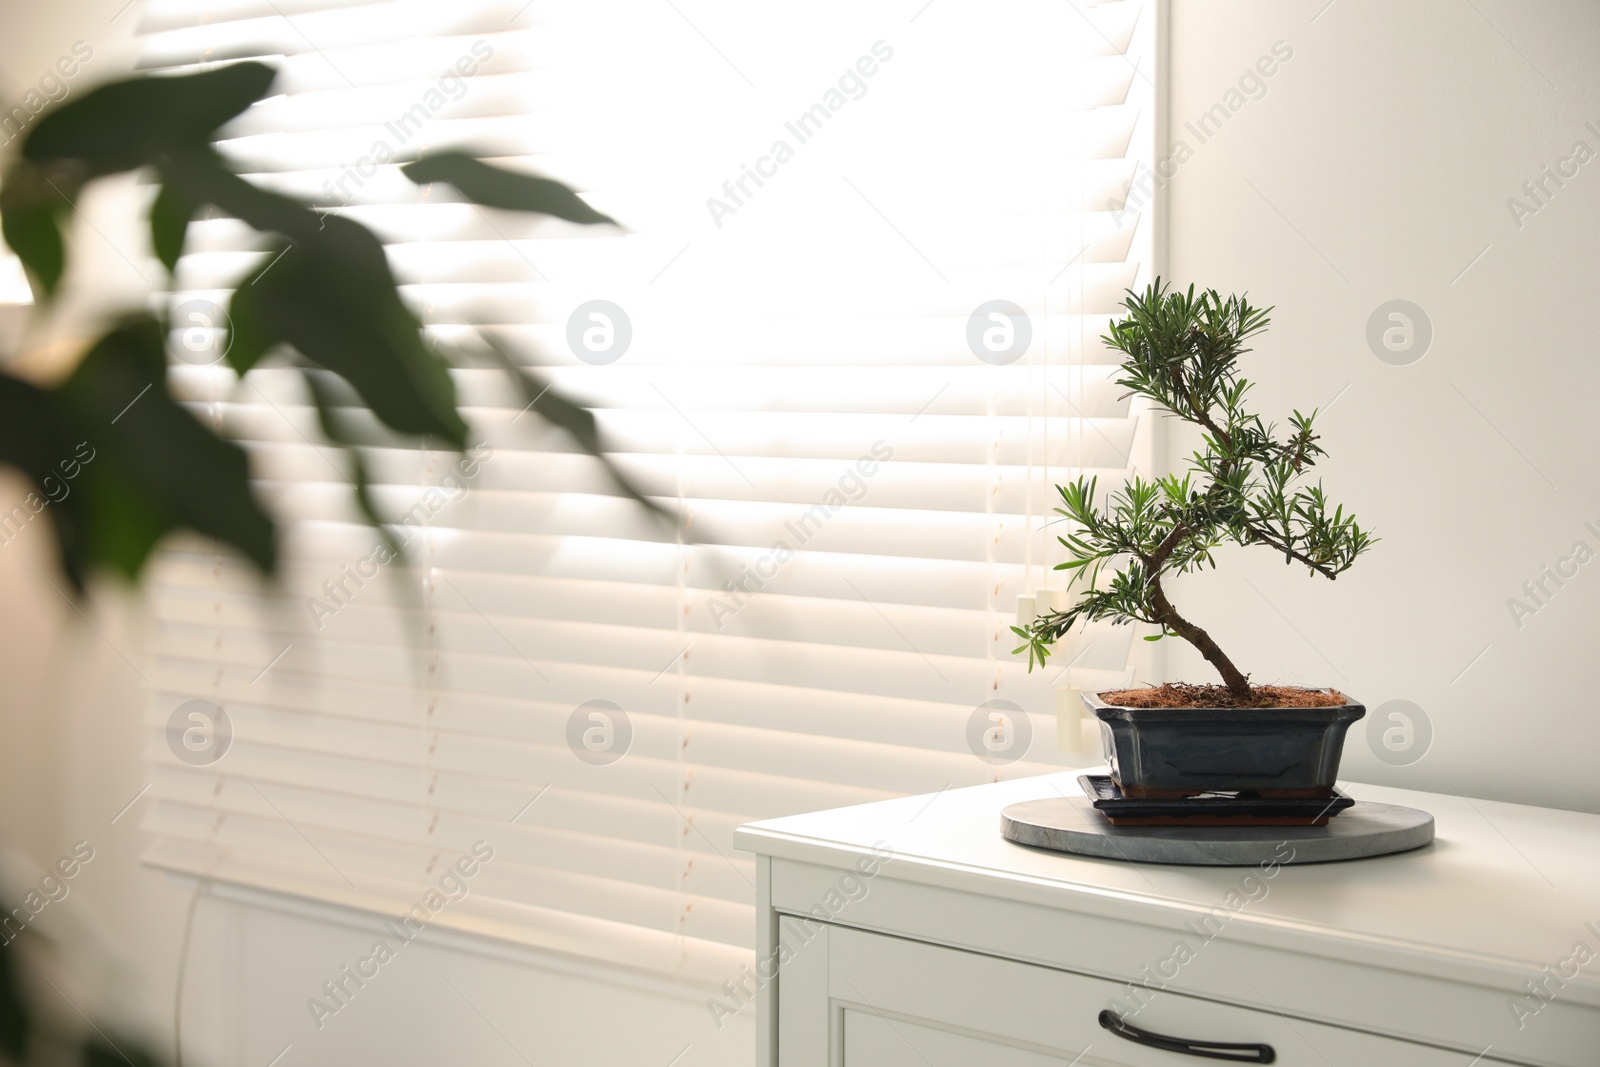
x=575 y=419
x=493 y=187
x=206 y=179
x=169 y=223
x=325 y=290
x=176 y=469
x=333 y=429
x=14 y=1019
x=122 y=524
x=99 y=1051
x=132 y=122
x=248 y=335
x=36 y=438
x=33 y=202
x=334 y=299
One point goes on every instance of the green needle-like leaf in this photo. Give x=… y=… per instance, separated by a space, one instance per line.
x=1181 y=351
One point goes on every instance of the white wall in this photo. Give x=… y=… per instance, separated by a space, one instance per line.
x=1376 y=167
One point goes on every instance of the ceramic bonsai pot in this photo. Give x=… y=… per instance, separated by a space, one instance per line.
x=1179 y=752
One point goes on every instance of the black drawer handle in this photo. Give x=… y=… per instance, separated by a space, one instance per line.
x=1216 y=1050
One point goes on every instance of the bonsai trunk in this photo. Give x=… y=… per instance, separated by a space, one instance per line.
x=1167 y=615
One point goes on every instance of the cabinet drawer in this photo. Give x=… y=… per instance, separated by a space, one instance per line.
x=848 y=998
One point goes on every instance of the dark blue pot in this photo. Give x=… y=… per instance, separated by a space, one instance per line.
x=1179 y=752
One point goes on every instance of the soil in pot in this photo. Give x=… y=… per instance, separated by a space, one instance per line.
x=1184 y=695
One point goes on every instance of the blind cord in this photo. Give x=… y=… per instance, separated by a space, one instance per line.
x=183 y=967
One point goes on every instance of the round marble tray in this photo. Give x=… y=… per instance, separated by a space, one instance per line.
x=1070 y=824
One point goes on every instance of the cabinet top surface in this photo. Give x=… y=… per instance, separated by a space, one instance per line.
x=1504 y=885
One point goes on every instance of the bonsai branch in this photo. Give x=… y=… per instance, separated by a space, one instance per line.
x=1262 y=537
x=1169 y=544
x=1237 y=682
x=1181 y=352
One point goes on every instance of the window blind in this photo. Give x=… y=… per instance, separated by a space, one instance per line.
x=847 y=339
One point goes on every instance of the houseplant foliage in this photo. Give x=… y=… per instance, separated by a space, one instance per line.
x=323 y=297
x=1246 y=485
x=29 y=1036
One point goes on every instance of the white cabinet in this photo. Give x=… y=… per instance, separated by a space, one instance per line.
x=910 y=933
x=886 y=1002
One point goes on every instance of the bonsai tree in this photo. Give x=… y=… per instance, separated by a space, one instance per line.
x=1244 y=486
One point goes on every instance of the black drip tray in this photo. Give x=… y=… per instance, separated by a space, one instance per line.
x=1243 y=808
